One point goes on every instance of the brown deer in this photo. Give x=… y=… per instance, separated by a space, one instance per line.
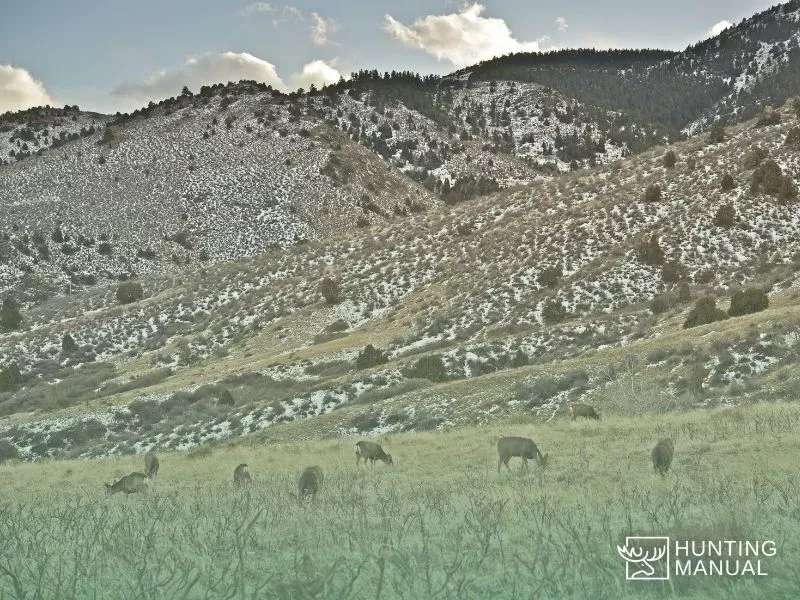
x=518 y=446
x=370 y=451
x=130 y=484
x=310 y=482
x=150 y=465
x=662 y=456
x=579 y=409
x=241 y=475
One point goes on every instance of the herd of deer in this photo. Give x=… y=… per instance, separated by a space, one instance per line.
x=311 y=479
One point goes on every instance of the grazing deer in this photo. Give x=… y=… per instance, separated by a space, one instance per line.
x=579 y=409
x=310 y=482
x=130 y=484
x=150 y=465
x=370 y=451
x=662 y=456
x=518 y=446
x=241 y=475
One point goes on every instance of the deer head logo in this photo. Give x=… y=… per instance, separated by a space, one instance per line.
x=643 y=554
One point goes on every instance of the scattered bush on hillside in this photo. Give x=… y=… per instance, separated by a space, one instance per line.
x=549 y=276
x=753 y=158
x=363 y=422
x=717 y=134
x=705 y=311
x=684 y=292
x=672 y=272
x=796 y=105
x=101 y=160
x=652 y=193
x=10 y=377
x=727 y=184
x=330 y=290
x=182 y=239
x=535 y=392
x=670 y=159
x=793 y=138
x=129 y=291
x=338 y=326
x=8 y=451
x=553 y=312
x=649 y=251
x=105 y=249
x=68 y=344
x=661 y=303
x=428 y=367
x=769 y=179
x=520 y=359
x=725 y=216
x=768 y=117
x=751 y=300
x=10 y=315
x=371 y=356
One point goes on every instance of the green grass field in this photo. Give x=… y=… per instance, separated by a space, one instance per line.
x=441 y=524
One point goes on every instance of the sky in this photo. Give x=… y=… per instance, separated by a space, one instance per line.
x=116 y=55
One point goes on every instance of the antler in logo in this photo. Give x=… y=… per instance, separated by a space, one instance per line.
x=642 y=561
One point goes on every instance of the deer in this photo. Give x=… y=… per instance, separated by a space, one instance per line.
x=370 y=451
x=579 y=409
x=310 y=482
x=662 y=456
x=518 y=446
x=241 y=475
x=151 y=465
x=130 y=484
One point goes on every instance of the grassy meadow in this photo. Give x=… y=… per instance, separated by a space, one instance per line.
x=442 y=523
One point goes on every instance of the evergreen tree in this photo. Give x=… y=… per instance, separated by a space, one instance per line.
x=748 y=301
x=10 y=316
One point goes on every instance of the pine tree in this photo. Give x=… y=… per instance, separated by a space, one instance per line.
x=10 y=316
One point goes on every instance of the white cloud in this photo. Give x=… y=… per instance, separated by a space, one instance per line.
x=317 y=72
x=256 y=7
x=561 y=24
x=322 y=29
x=199 y=71
x=718 y=28
x=462 y=38
x=18 y=90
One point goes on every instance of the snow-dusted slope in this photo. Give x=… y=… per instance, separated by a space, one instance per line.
x=199 y=183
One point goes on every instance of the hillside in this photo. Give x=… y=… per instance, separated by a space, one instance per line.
x=199 y=180
x=570 y=287
x=728 y=78
x=232 y=170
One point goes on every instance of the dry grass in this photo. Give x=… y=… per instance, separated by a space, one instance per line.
x=440 y=524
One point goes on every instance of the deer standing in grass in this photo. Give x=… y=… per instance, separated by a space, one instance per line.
x=579 y=409
x=310 y=482
x=508 y=447
x=151 y=465
x=662 y=456
x=370 y=451
x=130 y=484
x=241 y=475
